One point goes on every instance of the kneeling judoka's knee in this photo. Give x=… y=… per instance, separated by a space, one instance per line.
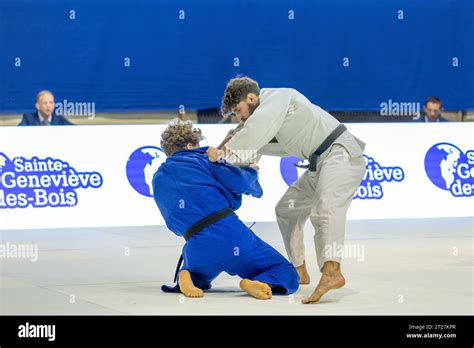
x=294 y=280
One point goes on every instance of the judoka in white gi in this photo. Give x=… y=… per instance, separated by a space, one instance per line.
x=283 y=122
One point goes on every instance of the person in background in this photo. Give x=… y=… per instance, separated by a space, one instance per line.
x=432 y=111
x=45 y=115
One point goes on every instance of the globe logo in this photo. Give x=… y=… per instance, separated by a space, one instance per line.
x=369 y=188
x=141 y=166
x=441 y=163
x=3 y=161
x=289 y=171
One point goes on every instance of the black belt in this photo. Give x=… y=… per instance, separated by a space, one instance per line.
x=313 y=158
x=208 y=220
x=199 y=226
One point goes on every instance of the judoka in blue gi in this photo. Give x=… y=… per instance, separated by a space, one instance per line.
x=197 y=199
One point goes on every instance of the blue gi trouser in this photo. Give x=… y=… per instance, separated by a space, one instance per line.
x=230 y=246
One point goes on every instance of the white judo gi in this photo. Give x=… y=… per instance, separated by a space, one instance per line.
x=286 y=123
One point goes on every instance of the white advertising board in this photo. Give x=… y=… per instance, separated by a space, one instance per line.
x=96 y=176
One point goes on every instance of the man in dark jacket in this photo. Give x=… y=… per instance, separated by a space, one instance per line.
x=432 y=111
x=45 y=115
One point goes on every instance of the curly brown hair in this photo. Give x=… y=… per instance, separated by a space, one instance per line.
x=237 y=90
x=178 y=135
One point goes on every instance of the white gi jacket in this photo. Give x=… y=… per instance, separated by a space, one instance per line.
x=298 y=126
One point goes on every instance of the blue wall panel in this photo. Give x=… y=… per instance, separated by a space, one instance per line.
x=188 y=61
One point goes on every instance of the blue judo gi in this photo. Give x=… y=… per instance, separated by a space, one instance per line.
x=187 y=188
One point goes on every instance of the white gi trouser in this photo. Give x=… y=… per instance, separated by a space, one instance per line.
x=322 y=196
x=286 y=123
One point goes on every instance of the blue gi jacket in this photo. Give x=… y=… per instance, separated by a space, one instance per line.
x=188 y=187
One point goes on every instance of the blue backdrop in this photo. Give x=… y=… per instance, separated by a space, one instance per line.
x=80 y=55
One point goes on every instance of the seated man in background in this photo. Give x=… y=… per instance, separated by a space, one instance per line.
x=45 y=115
x=197 y=199
x=432 y=111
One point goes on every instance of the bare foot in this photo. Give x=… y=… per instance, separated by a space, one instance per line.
x=303 y=273
x=259 y=290
x=186 y=285
x=332 y=278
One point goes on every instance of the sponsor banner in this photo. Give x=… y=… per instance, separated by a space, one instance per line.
x=98 y=176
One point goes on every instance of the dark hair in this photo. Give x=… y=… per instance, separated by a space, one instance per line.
x=237 y=90
x=178 y=135
x=41 y=93
x=434 y=99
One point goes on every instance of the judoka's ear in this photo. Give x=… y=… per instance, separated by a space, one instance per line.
x=190 y=146
x=252 y=98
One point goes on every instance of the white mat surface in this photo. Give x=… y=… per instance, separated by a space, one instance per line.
x=408 y=267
